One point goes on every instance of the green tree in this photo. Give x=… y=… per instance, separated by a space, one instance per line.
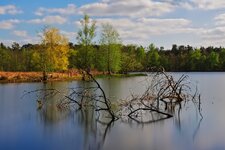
x=130 y=63
x=213 y=61
x=197 y=60
x=72 y=58
x=110 y=48
x=222 y=59
x=85 y=38
x=164 y=62
x=4 y=58
x=140 y=54
x=153 y=57
x=15 y=57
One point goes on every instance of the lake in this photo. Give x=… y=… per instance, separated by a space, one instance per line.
x=23 y=126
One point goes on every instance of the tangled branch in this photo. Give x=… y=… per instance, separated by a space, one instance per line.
x=161 y=99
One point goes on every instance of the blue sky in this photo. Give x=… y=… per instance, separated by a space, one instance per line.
x=162 y=22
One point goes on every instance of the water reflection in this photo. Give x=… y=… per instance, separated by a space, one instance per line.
x=22 y=126
x=94 y=131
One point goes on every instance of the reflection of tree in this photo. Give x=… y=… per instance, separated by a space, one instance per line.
x=159 y=101
x=95 y=131
x=198 y=123
x=51 y=114
x=162 y=99
x=47 y=100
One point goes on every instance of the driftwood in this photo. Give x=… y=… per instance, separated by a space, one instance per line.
x=163 y=97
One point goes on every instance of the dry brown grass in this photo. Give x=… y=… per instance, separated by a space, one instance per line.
x=37 y=76
x=72 y=74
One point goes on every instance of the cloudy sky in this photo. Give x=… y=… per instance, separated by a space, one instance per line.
x=162 y=22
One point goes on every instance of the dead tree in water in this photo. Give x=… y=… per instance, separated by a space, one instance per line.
x=161 y=99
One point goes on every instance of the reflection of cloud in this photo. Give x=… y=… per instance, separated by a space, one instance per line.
x=49 y=20
x=9 y=9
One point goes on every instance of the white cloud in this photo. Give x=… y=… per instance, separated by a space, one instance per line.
x=9 y=9
x=220 y=19
x=131 y=8
x=49 y=20
x=214 y=33
x=209 y=4
x=20 y=33
x=197 y=4
x=145 y=28
x=69 y=35
x=202 y=4
x=33 y=40
x=69 y=10
x=8 y=24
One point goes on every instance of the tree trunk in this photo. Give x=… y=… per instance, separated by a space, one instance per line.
x=45 y=76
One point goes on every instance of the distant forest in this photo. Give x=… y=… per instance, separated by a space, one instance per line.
x=133 y=58
x=55 y=53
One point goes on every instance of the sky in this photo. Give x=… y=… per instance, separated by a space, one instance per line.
x=162 y=22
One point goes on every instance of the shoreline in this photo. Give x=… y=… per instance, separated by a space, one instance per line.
x=75 y=75
x=20 y=77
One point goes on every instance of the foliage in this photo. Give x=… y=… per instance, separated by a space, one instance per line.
x=110 y=58
x=153 y=58
x=54 y=51
x=85 y=36
x=129 y=63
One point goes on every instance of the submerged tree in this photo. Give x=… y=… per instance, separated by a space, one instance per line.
x=54 y=51
x=163 y=98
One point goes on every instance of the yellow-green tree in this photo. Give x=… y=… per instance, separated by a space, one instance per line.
x=54 y=51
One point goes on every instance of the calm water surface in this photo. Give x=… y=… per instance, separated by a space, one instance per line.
x=22 y=126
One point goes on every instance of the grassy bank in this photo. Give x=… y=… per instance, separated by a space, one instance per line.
x=10 y=77
x=15 y=77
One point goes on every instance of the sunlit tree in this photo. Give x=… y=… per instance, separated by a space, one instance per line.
x=54 y=50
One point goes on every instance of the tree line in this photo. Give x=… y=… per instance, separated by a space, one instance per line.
x=109 y=55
